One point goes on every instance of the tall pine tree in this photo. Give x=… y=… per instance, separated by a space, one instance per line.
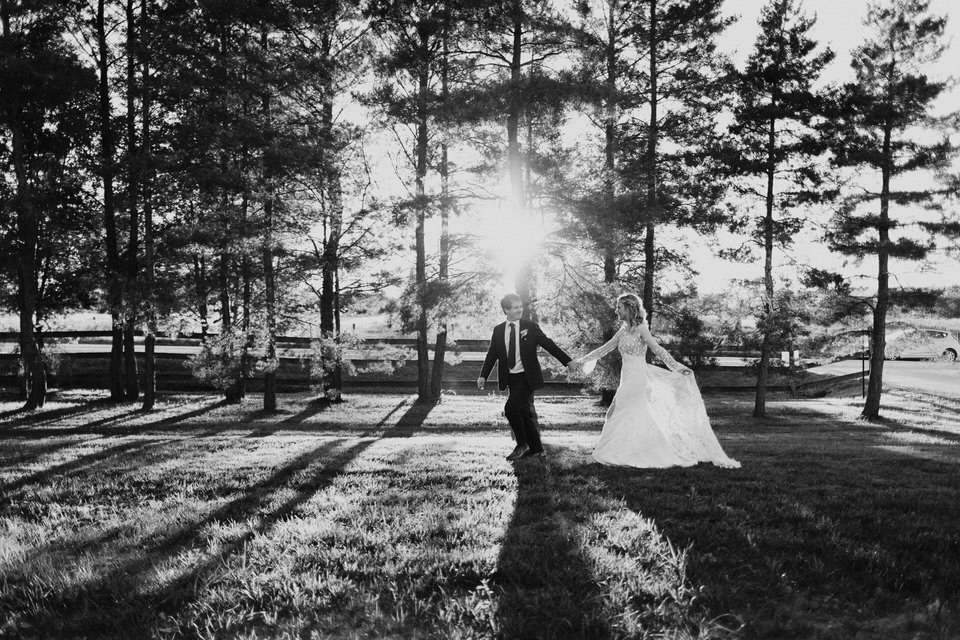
x=776 y=146
x=878 y=126
x=665 y=144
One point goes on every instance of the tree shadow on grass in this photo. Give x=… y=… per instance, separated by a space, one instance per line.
x=32 y=450
x=25 y=418
x=411 y=420
x=77 y=464
x=119 y=602
x=102 y=426
x=314 y=407
x=546 y=588
x=790 y=545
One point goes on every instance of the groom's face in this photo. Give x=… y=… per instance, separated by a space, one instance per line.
x=514 y=312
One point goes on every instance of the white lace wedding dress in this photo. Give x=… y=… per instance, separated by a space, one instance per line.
x=657 y=418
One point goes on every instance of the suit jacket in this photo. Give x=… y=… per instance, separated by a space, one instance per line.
x=531 y=336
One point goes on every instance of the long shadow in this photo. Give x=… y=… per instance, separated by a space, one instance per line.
x=101 y=426
x=313 y=408
x=540 y=553
x=390 y=413
x=115 y=603
x=411 y=420
x=900 y=425
x=34 y=450
x=44 y=415
x=60 y=470
x=778 y=550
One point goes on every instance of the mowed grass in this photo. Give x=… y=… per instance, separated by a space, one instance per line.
x=384 y=518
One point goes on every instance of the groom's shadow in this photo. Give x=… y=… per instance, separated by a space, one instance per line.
x=547 y=590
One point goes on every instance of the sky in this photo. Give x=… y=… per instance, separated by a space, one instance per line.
x=840 y=26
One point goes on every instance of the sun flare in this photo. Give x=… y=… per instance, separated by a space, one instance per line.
x=510 y=237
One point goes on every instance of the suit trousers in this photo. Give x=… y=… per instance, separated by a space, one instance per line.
x=521 y=414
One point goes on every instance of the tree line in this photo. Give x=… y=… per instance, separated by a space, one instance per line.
x=163 y=156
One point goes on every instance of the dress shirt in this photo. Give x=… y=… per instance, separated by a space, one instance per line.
x=518 y=366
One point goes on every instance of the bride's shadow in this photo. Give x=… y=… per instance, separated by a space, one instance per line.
x=783 y=543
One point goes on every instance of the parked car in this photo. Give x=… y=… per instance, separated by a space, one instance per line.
x=903 y=341
x=914 y=342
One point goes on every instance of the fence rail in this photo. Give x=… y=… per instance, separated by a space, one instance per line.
x=463 y=345
x=88 y=367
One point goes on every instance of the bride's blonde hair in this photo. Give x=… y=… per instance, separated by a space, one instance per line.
x=636 y=314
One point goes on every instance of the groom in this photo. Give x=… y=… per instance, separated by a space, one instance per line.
x=514 y=344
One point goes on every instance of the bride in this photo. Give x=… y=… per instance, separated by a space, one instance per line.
x=657 y=418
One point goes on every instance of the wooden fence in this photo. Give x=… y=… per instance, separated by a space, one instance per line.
x=80 y=359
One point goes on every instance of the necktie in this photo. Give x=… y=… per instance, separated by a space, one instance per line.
x=512 y=350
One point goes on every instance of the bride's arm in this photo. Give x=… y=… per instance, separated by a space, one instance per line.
x=662 y=353
x=603 y=349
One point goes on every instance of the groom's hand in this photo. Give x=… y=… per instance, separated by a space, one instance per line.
x=480 y=382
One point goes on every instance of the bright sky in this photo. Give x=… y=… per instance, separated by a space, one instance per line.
x=840 y=26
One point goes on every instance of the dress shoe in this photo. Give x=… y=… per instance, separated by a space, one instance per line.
x=535 y=454
x=518 y=452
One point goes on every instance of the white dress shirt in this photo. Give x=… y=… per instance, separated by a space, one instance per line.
x=518 y=367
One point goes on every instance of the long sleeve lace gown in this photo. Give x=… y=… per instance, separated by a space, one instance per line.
x=657 y=418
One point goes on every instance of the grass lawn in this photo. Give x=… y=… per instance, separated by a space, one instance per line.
x=382 y=518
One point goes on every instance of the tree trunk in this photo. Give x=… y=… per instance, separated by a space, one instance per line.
x=763 y=373
x=241 y=384
x=523 y=277
x=150 y=340
x=649 y=247
x=269 y=280
x=270 y=286
x=200 y=284
x=109 y=212
x=423 y=355
x=329 y=327
x=28 y=232
x=443 y=274
x=871 y=407
x=337 y=381
x=610 y=167
x=131 y=380
x=226 y=315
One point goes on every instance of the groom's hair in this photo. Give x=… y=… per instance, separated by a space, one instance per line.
x=508 y=300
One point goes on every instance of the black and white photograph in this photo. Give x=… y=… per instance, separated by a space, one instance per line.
x=480 y=319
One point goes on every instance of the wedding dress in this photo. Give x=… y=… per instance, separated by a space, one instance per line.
x=657 y=418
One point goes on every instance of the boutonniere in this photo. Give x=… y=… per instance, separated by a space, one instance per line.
x=523 y=334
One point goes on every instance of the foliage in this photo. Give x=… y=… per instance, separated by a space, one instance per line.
x=219 y=361
x=346 y=351
x=692 y=343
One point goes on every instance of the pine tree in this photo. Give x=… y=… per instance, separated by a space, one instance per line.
x=666 y=162
x=875 y=128
x=412 y=34
x=774 y=139
x=108 y=176
x=45 y=90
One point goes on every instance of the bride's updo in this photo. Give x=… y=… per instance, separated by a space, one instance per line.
x=636 y=314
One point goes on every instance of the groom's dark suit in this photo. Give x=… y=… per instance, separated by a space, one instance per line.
x=519 y=409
